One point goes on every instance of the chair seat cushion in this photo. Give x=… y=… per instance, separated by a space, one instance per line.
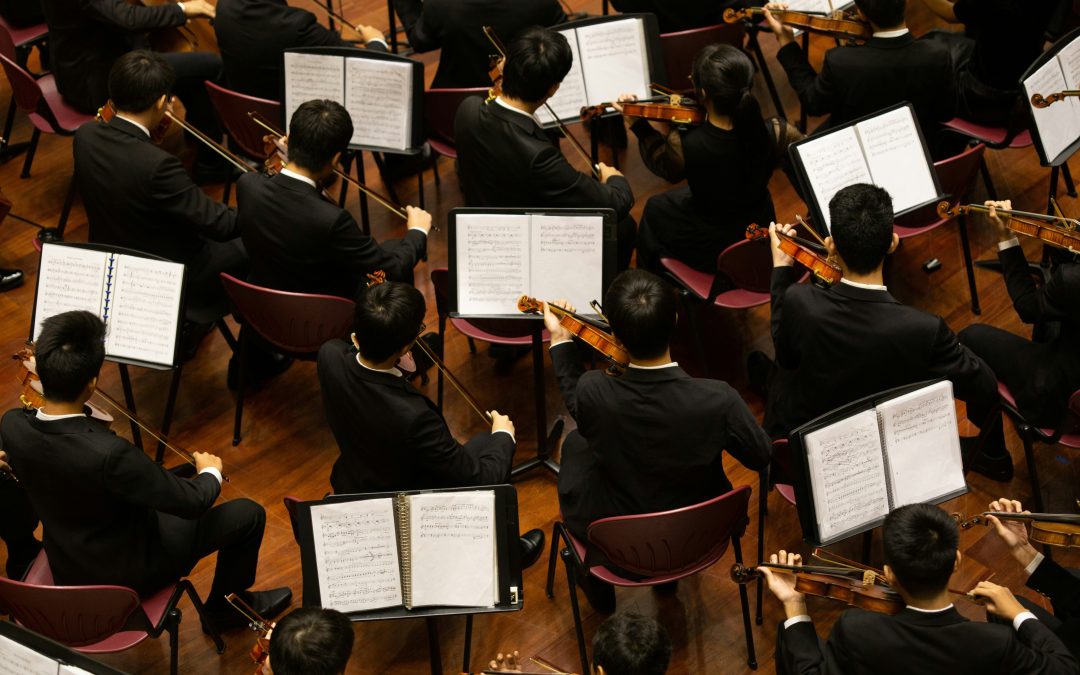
x=990 y=135
x=27 y=34
x=697 y=282
x=1069 y=440
x=67 y=117
x=786 y=491
x=444 y=149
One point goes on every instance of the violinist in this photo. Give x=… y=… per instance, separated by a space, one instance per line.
x=18 y=523
x=110 y=514
x=651 y=439
x=310 y=641
x=390 y=436
x=631 y=644
x=1041 y=375
x=302 y=243
x=929 y=635
x=854 y=339
x=506 y=160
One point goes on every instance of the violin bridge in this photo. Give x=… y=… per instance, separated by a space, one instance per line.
x=868 y=578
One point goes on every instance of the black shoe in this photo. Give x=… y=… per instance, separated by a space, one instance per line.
x=670 y=588
x=758 y=366
x=998 y=468
x=601 y=595
x=267 y=604
x=532 y=546
x=10 y=278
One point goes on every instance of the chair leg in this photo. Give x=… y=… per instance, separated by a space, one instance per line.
x=472 y=345
x=571 y=582
x=207 y=625
x=751 y=653
x=556 y=536
x=420 y=187
x=763 y=502
x=240 y=372
x=1033 y=470
x=966 y=247
x=991 y=191
x=435 y=169
x=30 y=152
x=9 y=122
x=226 y=334
x=763 y=66
x=65 y=212
x=172 y=625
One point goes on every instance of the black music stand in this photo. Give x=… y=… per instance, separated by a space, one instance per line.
x=54 y=650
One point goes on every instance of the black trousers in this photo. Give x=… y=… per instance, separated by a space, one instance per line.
x=17 y=524
x=206 y=301
x=192 y=69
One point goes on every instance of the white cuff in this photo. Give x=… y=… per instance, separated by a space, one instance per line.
x=1034 y=564
x=382 y=42
x=420 y=230
x=1008 y=243
x=1021 y=618
x=556 y=343
x=796 y=619
x=506 y=431
x=213 y=472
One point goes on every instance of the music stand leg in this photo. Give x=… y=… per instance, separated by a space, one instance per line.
x=364 y=222
x=170 y=405
x=1070 y=187
x=129 y=401
x=434 y=653
x=1054 y=173
x=544 y=444
x=465 y=660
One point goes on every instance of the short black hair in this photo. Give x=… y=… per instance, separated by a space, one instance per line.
x=642 y=312
x=862 y=226
x=883 y=13
x=138 y=79
x=69 y=352
x=631 y=644
x=388 y=317
x=920 y=543
x=536 y=60
x=318 y=130
x=311 y=641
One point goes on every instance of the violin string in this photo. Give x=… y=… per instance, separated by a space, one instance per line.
x=453 y=381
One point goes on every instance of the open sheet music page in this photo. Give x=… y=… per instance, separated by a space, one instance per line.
x=452 y=537
x=70 y=278
x=312 y=76
x=570 y=98
x=833 y=161
x=356 y=554
x=1069 y=59
x=18 y=659
x=492 y=262
x=567 y=259
x=145 y=309
x=922 y=444
x=614 y=60
x=848 y=473
x=66 y=669
x=896 y=159
x=378 y=96
x=1058 y=124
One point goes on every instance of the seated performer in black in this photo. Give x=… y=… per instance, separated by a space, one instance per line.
x=139 y=196
x=507 y=160
x=311 y=641
x=652 y=439
x=837 y=345
x=391 y=436
x=456 y=27
x=929 y=635
x=727 y=162
x=18 y=524
x=631 y=644
x=1001 y=39
x=297 y=240
x=1041 y=375
x=252 y=34
x=111 y=515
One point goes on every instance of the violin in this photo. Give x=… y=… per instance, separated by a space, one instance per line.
x=1051 y=529
x=859 y=588
x=261 y=649
x=1053 y=230
x=825 y=271
x=194 y=35
x=158 y=134
x=581 y=328
x=1040 y=101
x=839 y=27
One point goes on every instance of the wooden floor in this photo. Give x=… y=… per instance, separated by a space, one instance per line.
x=288 y=450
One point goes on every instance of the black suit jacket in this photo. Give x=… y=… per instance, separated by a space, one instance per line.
x=506 y=160
x=98 y=497
x=252 y=35
x=656 y=439
x=391 y=437
x=1062 y=586
x=139 y=196
x=677 y=15
x=87 y=36
x=297 y=241
x=838 y=345
x=916 y=642
x=456 y=27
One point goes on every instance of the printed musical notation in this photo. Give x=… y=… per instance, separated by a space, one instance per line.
x=356 y=555
x=453 y=558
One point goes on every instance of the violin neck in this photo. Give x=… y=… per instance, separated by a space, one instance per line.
x=1065 y=518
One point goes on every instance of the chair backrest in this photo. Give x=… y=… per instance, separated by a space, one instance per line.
x=957 y=175
x=7 y=42
x=679 y=49
x=440 y=108
x=28 y=95
x=72 y=615
x=297 y=323
x=676 y=541
x=232 y=109
x=748 y=264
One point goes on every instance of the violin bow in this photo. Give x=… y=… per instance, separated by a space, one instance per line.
x=812 y=231
x=210 y=143
x=454 y=382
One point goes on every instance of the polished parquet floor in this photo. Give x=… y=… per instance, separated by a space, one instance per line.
x=288 y=450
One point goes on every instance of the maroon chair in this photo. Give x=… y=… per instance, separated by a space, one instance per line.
x=22 y=41
x=1014 y=136
x=245 y=137
x=99 y=619
x=679 y=50
x=655 y=548
x=440 y=108
x=296 y=324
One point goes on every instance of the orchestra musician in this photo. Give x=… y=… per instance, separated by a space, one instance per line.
x=929 y=635
x=110 y=514
x=310 y=641
x=631 y=644
x=18 y=524
x=300 y=242
x=653 y=438
x=837 y=345
x=506 y=160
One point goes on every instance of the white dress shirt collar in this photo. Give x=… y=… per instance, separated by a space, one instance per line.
x=296 y=176
x=869 y=287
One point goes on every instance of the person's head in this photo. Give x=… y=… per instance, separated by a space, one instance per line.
x=862 y=227
x=140 y=81
x=631 y=644
x=642 y=311
x=537 y=60
x=319 y=132
x=388 y=318
x=311 y=641
x=69 y=352
x=883 y=13
x=920 y=542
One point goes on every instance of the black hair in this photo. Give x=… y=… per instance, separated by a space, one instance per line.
x=318 y=130
x=138 y=79
x=862 y=226
x=388 y=317
x=69 y=352
x=642 y=312
x=631 y=644
x=920 y=543
x=311 y=641
x=883 y=13
x=536 y=60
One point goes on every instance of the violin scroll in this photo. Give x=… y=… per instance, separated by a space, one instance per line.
x=741 y=574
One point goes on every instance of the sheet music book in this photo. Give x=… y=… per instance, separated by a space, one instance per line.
x=418 y=550
x=18 y=659
x=378 y=91
x=903 y=450
x=610 y=58
x=885 y=149
x=498 y=257
x=139 y=299
x=1057 y=126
